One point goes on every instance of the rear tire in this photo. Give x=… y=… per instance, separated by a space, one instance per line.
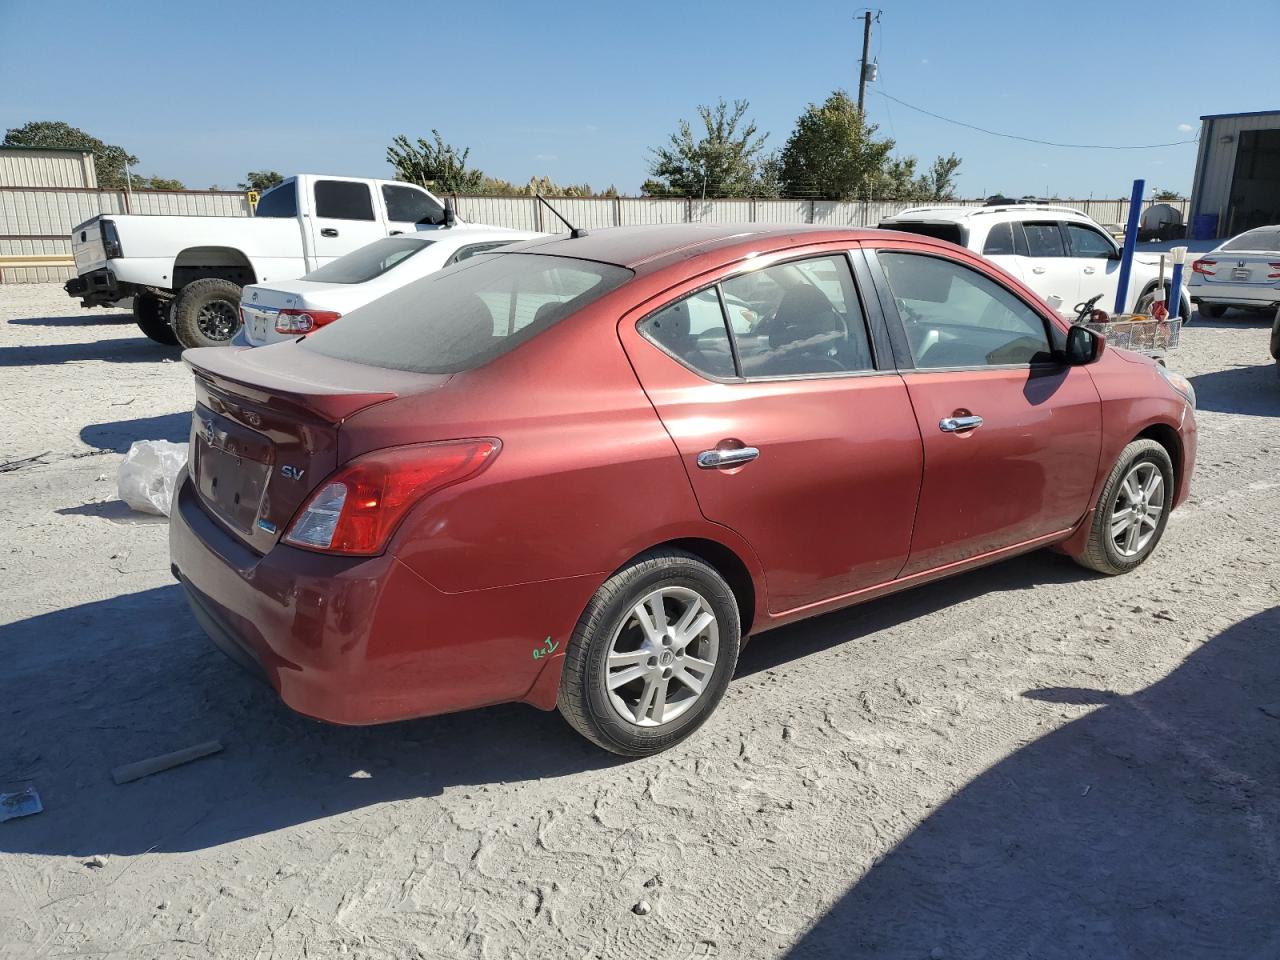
x=152 y=316
x=1212 y=311
x=611 y=644
x=1132 y=510
x=207 y=313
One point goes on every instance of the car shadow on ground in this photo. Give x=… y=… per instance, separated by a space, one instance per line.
x=117 y=511
x=117 y=435
x=1252 y=390
x=93 y=686
x=79 y=320
x=115 y=350
x=1233 y=320
x=1150 y=827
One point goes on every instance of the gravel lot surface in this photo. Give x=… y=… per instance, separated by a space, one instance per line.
x=1026 y=761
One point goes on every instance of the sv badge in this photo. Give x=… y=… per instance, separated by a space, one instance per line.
x=291 y=473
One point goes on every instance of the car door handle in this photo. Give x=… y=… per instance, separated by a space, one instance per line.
x=959 y=424
x=1037 y=269
x=714 y=459
x=395 y=233
x=329 y=232
x=1088 y=270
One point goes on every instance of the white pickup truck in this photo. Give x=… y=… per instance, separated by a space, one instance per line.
x=184 y=274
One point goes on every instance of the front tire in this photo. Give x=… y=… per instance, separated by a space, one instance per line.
x=652 y=655
x=152 y=316
x=1132 y=510
x=207 y=313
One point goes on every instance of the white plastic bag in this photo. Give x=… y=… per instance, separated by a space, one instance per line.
x=149 y=473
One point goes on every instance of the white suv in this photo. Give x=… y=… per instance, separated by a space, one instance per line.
x=1057 y=251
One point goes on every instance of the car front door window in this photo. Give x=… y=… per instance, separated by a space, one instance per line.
x=956 y=317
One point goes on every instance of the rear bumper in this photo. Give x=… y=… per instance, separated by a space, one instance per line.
x=362 y=641
x=98 y=288
x=1235 y=295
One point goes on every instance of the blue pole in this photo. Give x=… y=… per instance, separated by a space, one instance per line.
x=1175 y=292
x=1130 y=242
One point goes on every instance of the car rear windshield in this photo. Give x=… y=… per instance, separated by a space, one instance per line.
x=467 y=314
x=1264 y=238
x=369 y=261
x=940 y=230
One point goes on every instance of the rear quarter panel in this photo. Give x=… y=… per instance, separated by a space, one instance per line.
x=152 y=244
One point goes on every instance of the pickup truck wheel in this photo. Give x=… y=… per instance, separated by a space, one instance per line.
x=152 y=316
x=207 y=313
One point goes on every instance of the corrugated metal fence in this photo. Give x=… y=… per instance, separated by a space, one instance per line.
x=35 y=222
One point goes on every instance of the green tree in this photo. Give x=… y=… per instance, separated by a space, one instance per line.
x=109 y=160
x=1166 y=195
x=720 y=161
x=833 y=153
x=436 y=165
x=260 y=180
x=158 y=183
x=939 y=181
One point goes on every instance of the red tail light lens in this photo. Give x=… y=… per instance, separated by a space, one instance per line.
x=1275 y=271
x=304 y=321
x=358 y=508
x=1202 y=267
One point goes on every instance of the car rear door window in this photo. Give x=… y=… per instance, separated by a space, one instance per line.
x=807 y=319
x=343 y=200
x=692 y=330
x=281 y=201
x=999 y=242
x=1088 y=243
x=1044 y=240
x=955 y=316
x=369 y=261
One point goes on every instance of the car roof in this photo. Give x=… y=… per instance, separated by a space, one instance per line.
x=652 y=247
x=464 y=233
x=964 y=213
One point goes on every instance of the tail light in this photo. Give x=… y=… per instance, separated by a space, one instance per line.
x=1202 y=267
x=1275 y=271
x=110 y=240
x=356 y=510
x=304 y=321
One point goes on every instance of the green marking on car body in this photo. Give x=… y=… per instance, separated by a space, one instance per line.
x=545 y=650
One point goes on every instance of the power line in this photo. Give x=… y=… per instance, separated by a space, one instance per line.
x=1045 y=143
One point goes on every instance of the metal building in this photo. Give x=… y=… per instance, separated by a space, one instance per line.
x=1237 y=173
x=46 y=167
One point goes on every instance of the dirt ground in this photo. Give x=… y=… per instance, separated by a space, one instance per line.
x=1028 y=761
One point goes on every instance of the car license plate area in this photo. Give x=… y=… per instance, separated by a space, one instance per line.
x=1241 y=273
x=232 y=466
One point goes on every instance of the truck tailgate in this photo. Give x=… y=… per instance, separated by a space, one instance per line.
x=86 y=246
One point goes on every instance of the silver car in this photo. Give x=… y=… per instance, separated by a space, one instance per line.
x=1244 y=272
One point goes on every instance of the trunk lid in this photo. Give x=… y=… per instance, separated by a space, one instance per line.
x=264 y=434
x=259 y=307
x=86 y=246
x=1241 y=268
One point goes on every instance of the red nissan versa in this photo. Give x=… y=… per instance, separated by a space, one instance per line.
x=578 y=472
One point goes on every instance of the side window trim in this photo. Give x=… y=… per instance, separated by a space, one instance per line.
x=899 y=330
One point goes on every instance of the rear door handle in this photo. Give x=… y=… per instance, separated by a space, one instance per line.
x=395 y=233
x=714 y=459
x=959 y=424
x=1037 y=269
x=1088 y=270
x=329 y=232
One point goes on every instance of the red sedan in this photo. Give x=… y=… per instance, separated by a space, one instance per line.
x=579 y=472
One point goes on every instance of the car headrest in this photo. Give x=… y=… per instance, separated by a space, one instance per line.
x=803 y=313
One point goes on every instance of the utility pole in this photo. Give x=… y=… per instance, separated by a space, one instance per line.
x=866 y=51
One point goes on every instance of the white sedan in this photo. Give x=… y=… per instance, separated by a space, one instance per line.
x=1243 y=272
x=291 y=308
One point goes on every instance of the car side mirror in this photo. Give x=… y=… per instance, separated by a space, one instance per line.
x=1084 y=346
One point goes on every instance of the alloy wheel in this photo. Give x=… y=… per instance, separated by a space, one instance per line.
x=1136 y=512
x=217 y=320
x=662 y=656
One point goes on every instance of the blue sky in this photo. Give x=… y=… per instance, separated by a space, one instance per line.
x=580 y=90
